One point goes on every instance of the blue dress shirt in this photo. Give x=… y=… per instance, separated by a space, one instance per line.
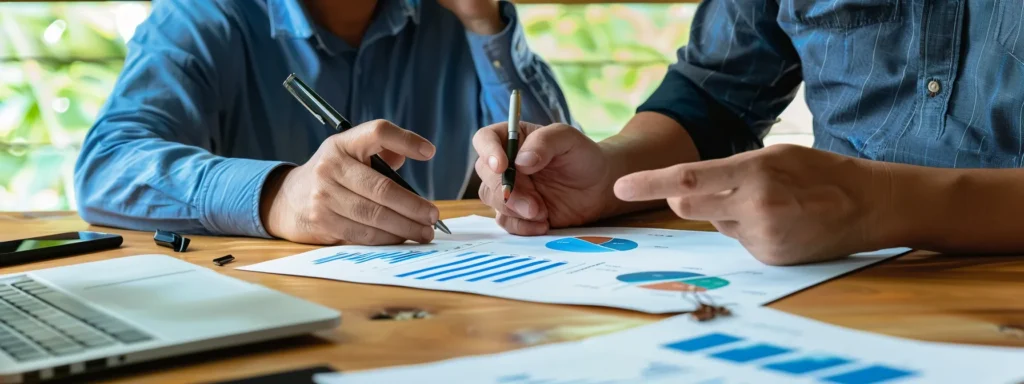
x=933 y=83
x=198 y=117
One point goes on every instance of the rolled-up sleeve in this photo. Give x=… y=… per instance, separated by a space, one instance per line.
x=146 y=163
x=732 y=80
x=505 y=62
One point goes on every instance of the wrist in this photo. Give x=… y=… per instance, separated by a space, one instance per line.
x=907 y=205
x=617 y=157
x=272 y=201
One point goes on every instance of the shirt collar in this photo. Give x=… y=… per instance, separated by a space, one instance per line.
x=288 y=18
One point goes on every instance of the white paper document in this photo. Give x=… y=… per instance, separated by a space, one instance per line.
x=649 y=270
x=755 y=345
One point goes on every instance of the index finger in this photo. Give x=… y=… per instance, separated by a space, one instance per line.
x=489 y=143
x=700 y=178
x=373 y=137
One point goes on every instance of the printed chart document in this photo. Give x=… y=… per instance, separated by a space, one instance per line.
x=755 y=345
x=649 y=270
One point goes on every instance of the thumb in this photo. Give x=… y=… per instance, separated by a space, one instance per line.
x=544 y=145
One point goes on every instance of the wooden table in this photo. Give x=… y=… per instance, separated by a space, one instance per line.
x=954 y=298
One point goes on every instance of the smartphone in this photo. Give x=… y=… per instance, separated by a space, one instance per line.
x=53 y=246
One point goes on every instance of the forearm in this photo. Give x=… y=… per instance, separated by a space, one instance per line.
x=128 y=177
x=954 y=210
x=648 y=141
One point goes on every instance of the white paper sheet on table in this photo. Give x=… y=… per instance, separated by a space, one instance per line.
x=646 y=270
x=756 y=345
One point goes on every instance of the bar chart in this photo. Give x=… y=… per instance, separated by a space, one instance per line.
x=482 y=267
x=394 y=257
x=735 y=349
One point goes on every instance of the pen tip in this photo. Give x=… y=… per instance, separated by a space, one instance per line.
x=506 y=191
x=444 y=228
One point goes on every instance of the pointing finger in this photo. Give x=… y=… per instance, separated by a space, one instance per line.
x=706 y=177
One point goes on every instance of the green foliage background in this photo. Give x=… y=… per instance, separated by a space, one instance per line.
x=59 y=61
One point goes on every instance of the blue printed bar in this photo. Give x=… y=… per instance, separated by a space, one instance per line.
x=488 y=268
x=499 y=273
x=456 y=269
x=703 y=342
x=466 y=260
x=374 y=256
x=331 y=258
x=870 y=375
x=363 y=257
x=751 y=353
x=807 y=364
x=411 y=256
x=527 y=273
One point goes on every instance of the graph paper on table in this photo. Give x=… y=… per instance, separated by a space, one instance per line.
x=640 y=269
x=758 y=345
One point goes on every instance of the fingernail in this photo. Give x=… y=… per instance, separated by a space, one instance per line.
x=527 y=159
x=427 y=149
x=434 y=215
x=428 y=233
x=493 y=163
x=523 y=207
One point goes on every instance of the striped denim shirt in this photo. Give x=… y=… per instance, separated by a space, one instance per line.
x=934 y=83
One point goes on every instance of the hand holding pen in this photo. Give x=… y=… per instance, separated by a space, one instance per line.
x=339 y=196
x=541 y=177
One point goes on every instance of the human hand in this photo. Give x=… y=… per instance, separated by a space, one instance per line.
x=478 y=16
x=562 y=177
x=786 y=204
x=336 y=197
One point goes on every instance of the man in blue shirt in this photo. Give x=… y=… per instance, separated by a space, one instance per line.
x=199 y=135
x=909 y=99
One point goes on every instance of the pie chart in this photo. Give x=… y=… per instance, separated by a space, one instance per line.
x=591 y=244
x=676 y=281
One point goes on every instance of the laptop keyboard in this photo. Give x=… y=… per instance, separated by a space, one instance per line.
x=41 y=322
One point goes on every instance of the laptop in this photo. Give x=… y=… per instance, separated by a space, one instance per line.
x=69 y=320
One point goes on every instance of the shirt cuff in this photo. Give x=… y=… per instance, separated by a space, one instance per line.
x=230 y=197
x=502 y=58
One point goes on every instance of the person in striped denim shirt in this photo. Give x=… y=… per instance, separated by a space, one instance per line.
x=918 y=121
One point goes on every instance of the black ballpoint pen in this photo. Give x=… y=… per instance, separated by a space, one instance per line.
x=329 y=116
x=508 y=178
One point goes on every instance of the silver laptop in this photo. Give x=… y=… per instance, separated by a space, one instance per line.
x=82 y=318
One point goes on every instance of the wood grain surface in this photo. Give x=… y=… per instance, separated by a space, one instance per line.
x=977 y=299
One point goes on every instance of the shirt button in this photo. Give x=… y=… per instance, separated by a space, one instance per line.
x=934 y=88
x=496 y=64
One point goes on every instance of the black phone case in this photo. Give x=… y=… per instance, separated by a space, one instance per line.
x=60 y=251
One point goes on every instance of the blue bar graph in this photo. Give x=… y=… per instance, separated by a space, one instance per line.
x=807 y=364
x=393 y=257
x=466 y=260
x=791 y=360
x=464 y=267
x=703 y=342
x=869 y=375
x=530 y=272
x=485 y=269
x=499 y=273
x=751 y=353
x=479 y=267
